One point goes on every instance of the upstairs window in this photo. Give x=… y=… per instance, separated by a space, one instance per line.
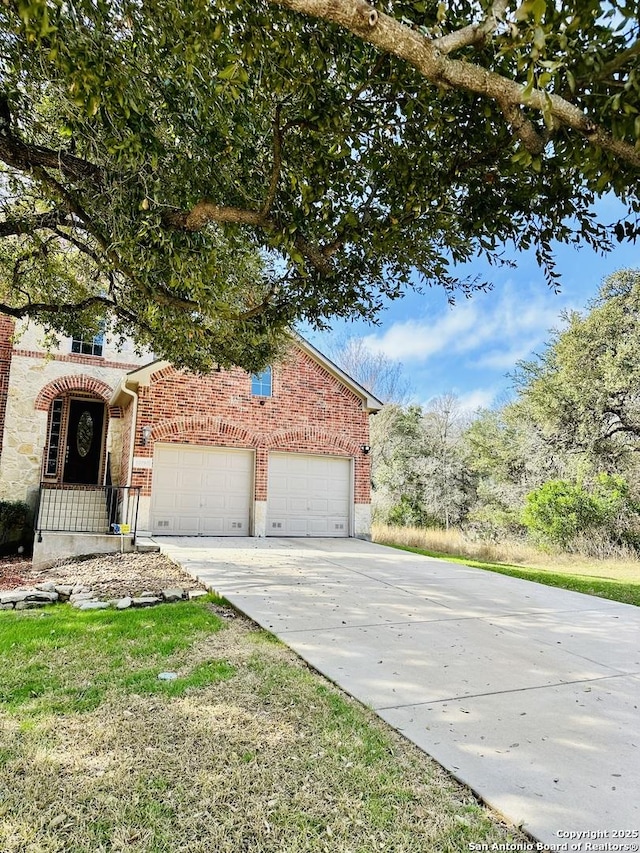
x=88 y=346
x=261 y=383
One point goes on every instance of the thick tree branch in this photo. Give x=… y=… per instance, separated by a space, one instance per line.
x=207 y=211
x=314 y=255
x=523 y=128
x=262 y=306
x=68 y=198
x=620 y=428
x=618 y=62
x=474 y=33
x=80 y=246
x=157 y=293
x=16 y=227
x=25 y=158
x=34 y=309
x=394 y=37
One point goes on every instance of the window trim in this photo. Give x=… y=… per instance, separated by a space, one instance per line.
x=83 y=346
x=259 y=383
x=54 y=438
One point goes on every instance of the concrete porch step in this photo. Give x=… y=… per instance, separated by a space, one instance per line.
x=145 y=545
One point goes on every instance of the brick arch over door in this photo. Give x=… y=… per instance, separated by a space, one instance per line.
x=312 y=439
x=205 y=429
x=68 y=385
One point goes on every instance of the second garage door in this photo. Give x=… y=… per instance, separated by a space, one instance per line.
x=201 y=491
x=308 y=495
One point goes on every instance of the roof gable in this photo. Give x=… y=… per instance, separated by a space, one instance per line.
x=142 y=376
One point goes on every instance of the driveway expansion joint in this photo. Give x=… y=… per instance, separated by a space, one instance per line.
x=464 y=696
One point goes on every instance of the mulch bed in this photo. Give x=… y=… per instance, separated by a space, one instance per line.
x=108 y=575
x=14 y=572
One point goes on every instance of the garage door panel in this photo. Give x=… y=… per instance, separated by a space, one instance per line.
x=308 y=495
x=185 y=526
x=335 y=507
x=188 y=501
x=320 y=505
x=164 y=501
x=212 y=527
x=166 y=480
x=201 y=491
x=277 y=505
x=296 y=527
x=227 y=504
x=318 y=527
x=297 y=505
x=213 y=502
x=189 y=480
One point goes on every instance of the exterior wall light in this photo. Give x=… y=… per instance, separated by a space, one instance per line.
x=146 y=434
x=365 y=449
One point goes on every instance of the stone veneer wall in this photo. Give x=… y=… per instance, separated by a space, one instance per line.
x=25 y=433
x=31 y=377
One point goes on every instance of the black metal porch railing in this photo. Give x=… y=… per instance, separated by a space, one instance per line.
x=87 y=509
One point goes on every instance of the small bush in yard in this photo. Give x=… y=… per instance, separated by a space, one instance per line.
x=15 y=526
x=560 y=512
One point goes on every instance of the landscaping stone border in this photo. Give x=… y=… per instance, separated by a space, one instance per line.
x=83 y=598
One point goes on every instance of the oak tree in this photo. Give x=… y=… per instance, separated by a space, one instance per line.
x=583 y=391
x=207 y=174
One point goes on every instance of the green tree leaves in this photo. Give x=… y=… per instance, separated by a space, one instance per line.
x=419 y=472
x=221 y=170
x=584 y=391
x=560 y=511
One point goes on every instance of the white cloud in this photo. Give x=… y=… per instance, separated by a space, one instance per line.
x=480 y=398
x=417 y=340
x=497 y=330
x=469 y=402
x=505 y=359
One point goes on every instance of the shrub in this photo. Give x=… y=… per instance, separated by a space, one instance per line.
x=617 y=508
x=560 y=511
x=15 y=526
x=409 y=512
x=566 y=514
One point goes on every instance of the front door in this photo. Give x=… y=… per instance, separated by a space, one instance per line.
x=84 y=442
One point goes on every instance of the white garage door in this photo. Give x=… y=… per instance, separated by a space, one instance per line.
x=201 y=491
x=308 y=495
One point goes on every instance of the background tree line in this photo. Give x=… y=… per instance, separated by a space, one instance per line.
x=557 y=464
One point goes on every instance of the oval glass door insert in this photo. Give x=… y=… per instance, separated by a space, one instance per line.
x=85 y=434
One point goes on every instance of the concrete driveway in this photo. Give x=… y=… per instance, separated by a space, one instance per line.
x=528 y=694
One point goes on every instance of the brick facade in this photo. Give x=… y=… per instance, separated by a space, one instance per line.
x=88 y=385
x=310 y=411
x=313 y=409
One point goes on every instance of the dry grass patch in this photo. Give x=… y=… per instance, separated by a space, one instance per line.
x=455 y=543
x=616 y=580
x=266 y=756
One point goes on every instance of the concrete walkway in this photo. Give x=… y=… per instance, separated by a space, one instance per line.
x=528 y=694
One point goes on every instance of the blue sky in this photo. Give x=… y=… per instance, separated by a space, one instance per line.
x=469 y=348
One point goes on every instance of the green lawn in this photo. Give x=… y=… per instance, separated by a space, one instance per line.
x=246 y=750
x=604 y=587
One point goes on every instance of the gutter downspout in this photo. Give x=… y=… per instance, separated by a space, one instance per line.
x=132 y=440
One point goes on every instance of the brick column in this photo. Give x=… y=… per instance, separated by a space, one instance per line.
x=6 y=348
x=260 y=492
